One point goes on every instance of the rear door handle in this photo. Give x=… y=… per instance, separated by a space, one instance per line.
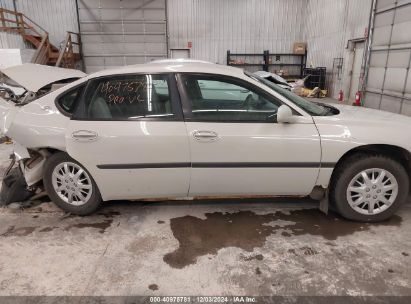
x=84 y=135
x=205 y=135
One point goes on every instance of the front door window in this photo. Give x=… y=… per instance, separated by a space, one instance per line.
x=220 y=98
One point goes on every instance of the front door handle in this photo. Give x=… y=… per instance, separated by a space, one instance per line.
x=84 y=135
x=205 y=135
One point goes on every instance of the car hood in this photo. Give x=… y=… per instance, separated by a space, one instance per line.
x=361 y=114
x=33 y=77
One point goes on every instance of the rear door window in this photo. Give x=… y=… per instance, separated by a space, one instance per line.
x=67 y=102
x=128 y=97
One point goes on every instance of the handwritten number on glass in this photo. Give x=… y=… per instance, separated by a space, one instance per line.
x=124 y=91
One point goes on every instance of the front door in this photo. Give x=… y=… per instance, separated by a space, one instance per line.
x=129 y=134
x=237 y=148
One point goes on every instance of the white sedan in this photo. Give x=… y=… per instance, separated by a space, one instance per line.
x=180 y=129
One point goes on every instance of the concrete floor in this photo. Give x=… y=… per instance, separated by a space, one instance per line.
x=237 y=247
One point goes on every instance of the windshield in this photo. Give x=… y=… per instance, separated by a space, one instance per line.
x=314 y=109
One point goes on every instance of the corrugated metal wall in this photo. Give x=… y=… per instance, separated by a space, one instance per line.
x=250 y=26
x=7 y=4
x=12 y=40
x=55 y=16
x=389 y=75
x=9 y=41
x=328 y=25
x=213 y=27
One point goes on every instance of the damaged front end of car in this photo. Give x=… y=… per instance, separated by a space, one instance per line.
x=27 y=118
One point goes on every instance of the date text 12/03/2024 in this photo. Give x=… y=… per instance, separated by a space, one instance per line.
x=203 y=299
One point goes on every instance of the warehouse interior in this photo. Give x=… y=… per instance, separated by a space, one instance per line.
x=117 y=33
x=343 y=52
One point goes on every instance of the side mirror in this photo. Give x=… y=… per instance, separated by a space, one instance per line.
x=284 y=114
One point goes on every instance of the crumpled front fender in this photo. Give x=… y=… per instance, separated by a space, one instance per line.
x=7 y=113
x=20 y=152
x=31 y=162
x=33 y=167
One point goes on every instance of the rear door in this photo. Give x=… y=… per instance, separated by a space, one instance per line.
x=238 y=148
x=129 y=134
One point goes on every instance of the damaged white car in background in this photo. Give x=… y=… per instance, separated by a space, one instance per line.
x=186 y=129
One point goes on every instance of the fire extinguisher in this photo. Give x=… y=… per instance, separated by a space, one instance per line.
x=358 y=99
x=341 y=96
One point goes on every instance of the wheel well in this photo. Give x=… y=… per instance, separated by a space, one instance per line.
x=53 y=151
x=397 y=153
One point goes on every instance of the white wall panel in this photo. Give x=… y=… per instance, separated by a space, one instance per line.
x=8 y=40
x=11 y=41
x=55 y=16
x=328 y=25
x=213 y=27
x=250 y=26
x=246 y=26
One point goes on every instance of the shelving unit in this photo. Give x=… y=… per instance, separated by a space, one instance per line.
x=270 y=62
x=317 y=77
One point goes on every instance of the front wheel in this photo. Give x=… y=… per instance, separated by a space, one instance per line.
x=369 y=188
x=70 y=186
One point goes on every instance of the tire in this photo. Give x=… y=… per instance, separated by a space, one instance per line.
x=88 y=198
x=351 y=174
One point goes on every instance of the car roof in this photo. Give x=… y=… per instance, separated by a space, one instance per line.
x=173 y=66
x=180 y=60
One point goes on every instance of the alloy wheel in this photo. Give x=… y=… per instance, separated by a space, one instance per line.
x=72 y=183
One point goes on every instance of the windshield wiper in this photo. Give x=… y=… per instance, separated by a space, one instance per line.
x=328 y=109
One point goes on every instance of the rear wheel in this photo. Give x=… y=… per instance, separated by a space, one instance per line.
x=70 y=185
x=369 y=188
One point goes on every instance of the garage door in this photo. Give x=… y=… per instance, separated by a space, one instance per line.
x=388 y=84
x=122 y=32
